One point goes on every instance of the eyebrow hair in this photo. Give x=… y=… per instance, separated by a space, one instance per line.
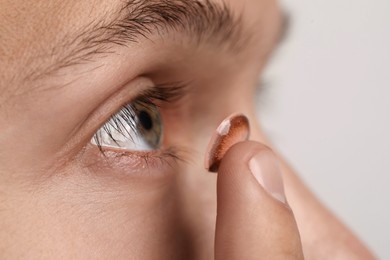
x=201 y=21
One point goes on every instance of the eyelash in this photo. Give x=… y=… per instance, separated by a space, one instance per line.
x=158 y=96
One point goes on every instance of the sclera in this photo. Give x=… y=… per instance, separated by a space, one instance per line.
x=232 y=130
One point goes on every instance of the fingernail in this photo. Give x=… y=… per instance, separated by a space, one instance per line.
x=265 y=168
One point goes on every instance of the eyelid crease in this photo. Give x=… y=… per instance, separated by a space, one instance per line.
x=167 y=92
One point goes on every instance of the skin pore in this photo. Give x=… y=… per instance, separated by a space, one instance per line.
x=68 y=66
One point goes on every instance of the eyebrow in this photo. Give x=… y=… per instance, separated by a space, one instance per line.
x=201 y=21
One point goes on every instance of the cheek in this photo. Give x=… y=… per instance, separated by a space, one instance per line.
x=79 y=216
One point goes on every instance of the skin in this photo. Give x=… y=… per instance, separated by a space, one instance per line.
x=61 y=199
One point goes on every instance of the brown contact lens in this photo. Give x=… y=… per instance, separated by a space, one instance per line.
x=232 y=130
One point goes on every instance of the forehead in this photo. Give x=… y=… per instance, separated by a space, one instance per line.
x=32 y=26
x=43 y=17
x=31 y=30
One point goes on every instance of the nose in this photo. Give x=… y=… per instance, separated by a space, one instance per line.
x=196 y=198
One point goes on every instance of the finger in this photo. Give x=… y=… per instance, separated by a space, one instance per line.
x=253 y=219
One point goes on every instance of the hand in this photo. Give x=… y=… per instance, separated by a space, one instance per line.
x=254 y=220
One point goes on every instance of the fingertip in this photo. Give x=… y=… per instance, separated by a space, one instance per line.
x=237 y=159
x=251 y=206
x=241 y=153
x=248 y=172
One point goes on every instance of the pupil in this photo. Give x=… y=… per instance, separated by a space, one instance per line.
x=145 y=120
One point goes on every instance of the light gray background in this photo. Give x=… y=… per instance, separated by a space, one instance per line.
x=326 y=105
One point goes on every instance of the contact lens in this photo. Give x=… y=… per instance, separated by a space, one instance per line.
x=232 y=130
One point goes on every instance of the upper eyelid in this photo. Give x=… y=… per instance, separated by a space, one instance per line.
x=168 y=92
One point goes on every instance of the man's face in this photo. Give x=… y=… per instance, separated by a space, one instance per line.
x=173 y=69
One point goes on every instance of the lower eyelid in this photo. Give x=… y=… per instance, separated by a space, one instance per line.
x=130 y=164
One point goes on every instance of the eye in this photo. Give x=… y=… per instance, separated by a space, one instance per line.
x=137 y=127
